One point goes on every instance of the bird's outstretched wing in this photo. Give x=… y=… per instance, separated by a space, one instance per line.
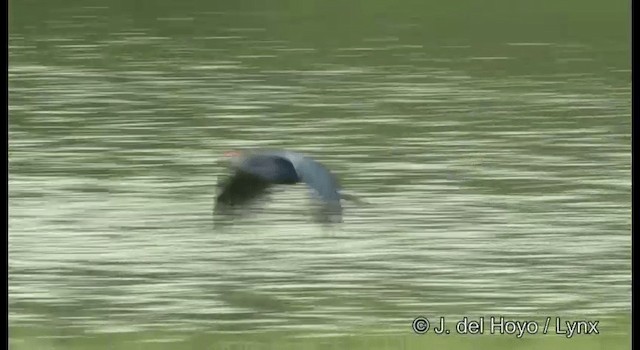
x=324 y=186
x=252 y=178
x=240 y=188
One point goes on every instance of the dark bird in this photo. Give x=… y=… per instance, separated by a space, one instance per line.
x=254 y=173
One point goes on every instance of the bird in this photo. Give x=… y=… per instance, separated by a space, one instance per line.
x=256 y=172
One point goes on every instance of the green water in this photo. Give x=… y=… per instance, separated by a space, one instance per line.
x=491 y=140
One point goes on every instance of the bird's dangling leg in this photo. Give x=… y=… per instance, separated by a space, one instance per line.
x=353 y=198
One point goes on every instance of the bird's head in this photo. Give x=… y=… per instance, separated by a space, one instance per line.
x=231 y=157
x=231 y=154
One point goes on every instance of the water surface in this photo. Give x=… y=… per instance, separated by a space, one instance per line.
x=496 y=163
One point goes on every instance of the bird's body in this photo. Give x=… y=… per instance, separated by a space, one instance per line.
x=254 y=173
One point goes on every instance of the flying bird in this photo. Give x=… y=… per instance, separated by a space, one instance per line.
x=254 y=173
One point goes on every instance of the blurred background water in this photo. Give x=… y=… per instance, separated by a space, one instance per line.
x=492 y=140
